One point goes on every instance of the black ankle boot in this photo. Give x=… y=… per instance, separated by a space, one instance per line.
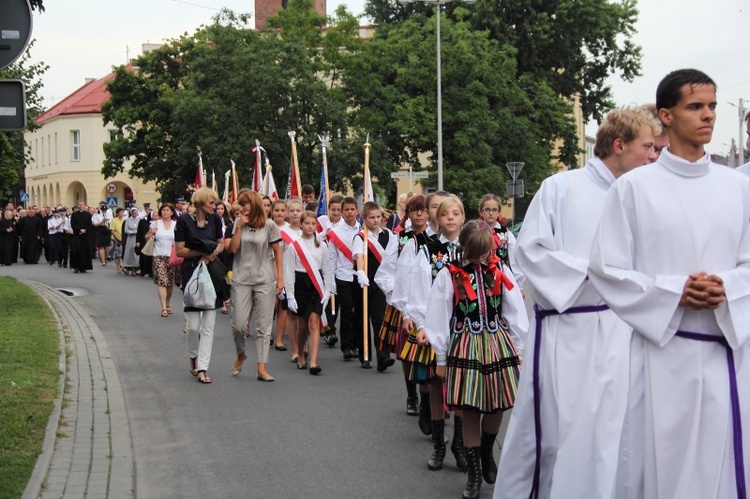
x=474 y=478
x=489 y=468
x=457 y=445
x=412 y=400
x=425 y=414
x=438 y=445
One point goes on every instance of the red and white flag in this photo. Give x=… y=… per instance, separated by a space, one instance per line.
x=257 y=182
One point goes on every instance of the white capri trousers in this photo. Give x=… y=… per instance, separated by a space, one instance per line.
x=257 y=300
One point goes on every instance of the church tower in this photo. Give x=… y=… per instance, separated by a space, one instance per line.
x=268 y=8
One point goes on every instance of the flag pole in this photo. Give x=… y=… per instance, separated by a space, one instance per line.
x=324 y=141
x=234 y=183
x=365 y=308
x=295 y=163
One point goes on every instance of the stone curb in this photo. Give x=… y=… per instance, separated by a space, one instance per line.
x=87 y=450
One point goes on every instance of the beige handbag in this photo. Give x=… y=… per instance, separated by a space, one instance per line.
x=148 y=248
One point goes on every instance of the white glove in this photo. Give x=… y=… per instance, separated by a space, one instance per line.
x=291 y=304
x=333 y=290
x=324 y=301
x=362 y=278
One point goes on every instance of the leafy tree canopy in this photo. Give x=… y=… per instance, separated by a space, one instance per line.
x=222 y=88
x=572 y=45
x=490 y=114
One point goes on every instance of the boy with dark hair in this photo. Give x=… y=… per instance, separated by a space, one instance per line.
x=340 y=240
x=308 y=194
x=325 y=224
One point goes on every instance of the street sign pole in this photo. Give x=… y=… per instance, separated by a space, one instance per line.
x=514 y=188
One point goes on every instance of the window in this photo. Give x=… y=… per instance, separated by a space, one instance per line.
x=55 y=147
x=75 y=138
x=49 y=150
x=112 y=135
x=42 y=153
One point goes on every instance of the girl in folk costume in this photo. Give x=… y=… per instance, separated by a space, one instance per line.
x=505 y=241
x=278 y=215
x=309 y=282
x=392 y=335
x=413 y=288
x=289 y=234
x=475 y=312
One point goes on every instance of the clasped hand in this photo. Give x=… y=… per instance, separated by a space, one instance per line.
x=703 y=292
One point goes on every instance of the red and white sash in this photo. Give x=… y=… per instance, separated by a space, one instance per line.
x=373 y=247
x=287 y=236
x=340 y=245
x=314 y=276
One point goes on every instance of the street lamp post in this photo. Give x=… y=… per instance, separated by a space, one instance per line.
x=438 y=3
x=741 y=145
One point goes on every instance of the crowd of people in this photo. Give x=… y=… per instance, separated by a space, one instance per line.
x=635 y=374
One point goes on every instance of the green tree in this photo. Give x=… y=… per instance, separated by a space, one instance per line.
x=572 y=45
x=14 y=154
x=221 y=88
x=490 y=114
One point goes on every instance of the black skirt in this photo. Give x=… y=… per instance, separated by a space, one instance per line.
x=308 y=299
x=103 y=236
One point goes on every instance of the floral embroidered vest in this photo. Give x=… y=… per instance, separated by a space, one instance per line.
x=440 y=254
x=478 y=297
x=421 y=239
x=501 y=242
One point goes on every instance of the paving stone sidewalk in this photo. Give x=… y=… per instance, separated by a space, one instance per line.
x=87 y=450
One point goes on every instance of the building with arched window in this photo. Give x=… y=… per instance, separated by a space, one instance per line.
x=67 y=155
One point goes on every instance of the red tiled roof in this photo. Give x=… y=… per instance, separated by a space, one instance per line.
x=87 y=99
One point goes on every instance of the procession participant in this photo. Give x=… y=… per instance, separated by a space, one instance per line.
x=577 y=350
x=225 y=213
x=380 y=242
x=685 y=292
x=117 y=223
x=433 y=257
x=660 y=140
x=325 y=224
x=130 y=260
x=392 y=332
x=279 y=215
x=102 y=231
x=204 y=224
x=30 y=228
x=55 y=231
x=267 y=203
x=473 y=313
x=8 y=237
x=340 y=239
x=145 y=262
x=65 y=236
x=80 y=245
x=505 y=241
x=433 y=202
x=308 y=281
x=289 y=234
x=162 y=229
x=396 y=218
x=308 y=194
x=256 y=279
x=46 y=215
x=181 y=206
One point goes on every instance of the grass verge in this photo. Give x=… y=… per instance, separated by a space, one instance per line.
x=29 y=373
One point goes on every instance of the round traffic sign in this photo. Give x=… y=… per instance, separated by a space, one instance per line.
x=15 y=30
x=111 y=188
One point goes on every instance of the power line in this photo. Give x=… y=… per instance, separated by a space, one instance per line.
x=197 y=5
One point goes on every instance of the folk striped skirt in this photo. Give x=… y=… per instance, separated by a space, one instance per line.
x=482 y=371
x=421 y=357
x=391 y=337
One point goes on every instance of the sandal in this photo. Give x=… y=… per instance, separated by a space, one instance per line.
x=205 y=380
x=294 y=359
x=194 y=366
x=164 y=313
x=169 y=310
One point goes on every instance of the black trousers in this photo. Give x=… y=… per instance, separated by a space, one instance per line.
x=64 y=248
x=376 y=311
x=345 y=306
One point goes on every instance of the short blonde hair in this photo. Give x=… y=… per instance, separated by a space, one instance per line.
x=203 y=196
x=447 y=203
x=625 y=124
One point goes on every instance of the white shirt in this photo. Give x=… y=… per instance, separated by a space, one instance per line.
x=163 y=237
x=343 y=267
x=318 y=259
x=55 y=225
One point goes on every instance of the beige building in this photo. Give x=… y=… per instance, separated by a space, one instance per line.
x=67 y=155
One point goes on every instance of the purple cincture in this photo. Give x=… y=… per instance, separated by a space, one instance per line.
x=540 y=315
x=739 y=459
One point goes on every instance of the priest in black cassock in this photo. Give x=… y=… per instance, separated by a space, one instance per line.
x=30 y=229
x=8 y=238
x=80 y=242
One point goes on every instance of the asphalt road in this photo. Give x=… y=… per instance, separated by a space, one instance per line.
x=344 y=433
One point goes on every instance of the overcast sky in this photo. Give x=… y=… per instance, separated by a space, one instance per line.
x=85 y=38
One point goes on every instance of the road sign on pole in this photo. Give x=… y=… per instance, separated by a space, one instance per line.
x=111 y=201
x=24 y=197
x=514 y=188
x=514 y=168
x=410 y=175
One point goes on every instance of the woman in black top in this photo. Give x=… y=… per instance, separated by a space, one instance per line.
x=191 y=232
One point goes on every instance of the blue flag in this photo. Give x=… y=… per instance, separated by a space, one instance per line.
x=322 y=204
